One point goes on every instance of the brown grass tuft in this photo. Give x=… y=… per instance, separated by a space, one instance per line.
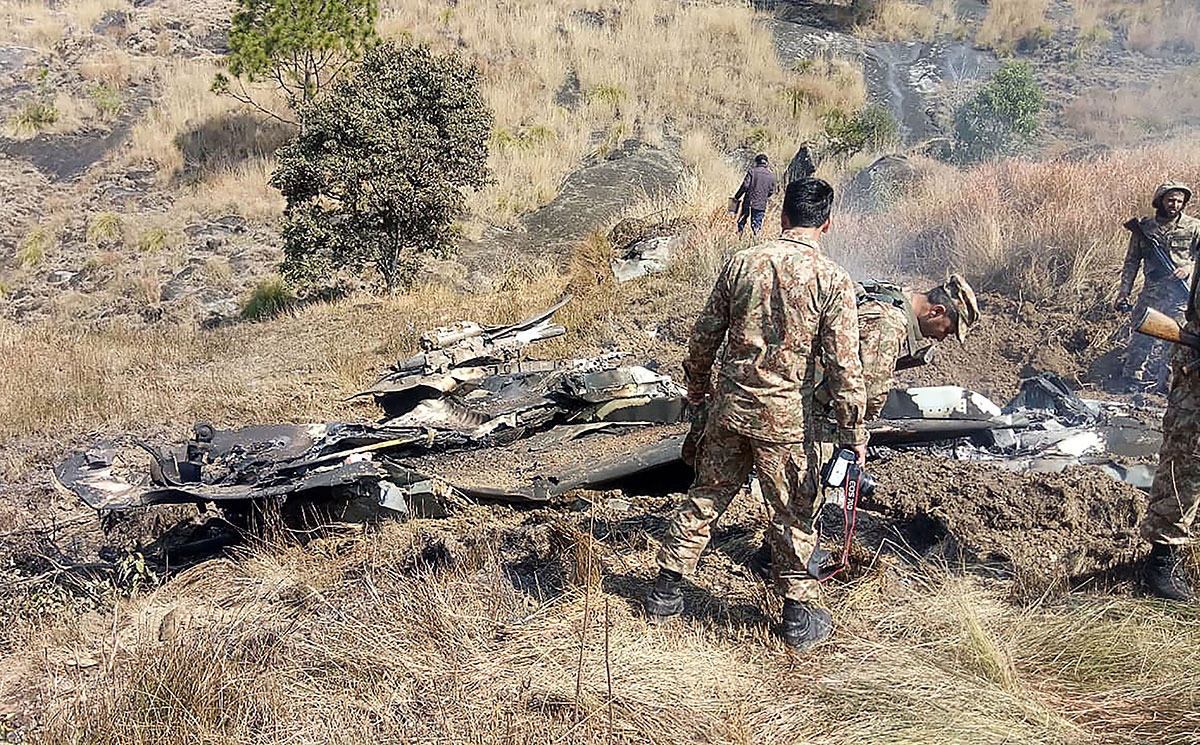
x=1010 y=22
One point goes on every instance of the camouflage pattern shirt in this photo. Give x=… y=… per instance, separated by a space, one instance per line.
x=779 y=307
x=887 y=331
x=1181 y=239
x=885 y=334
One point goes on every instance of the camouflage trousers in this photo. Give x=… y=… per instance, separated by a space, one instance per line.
x=1175 y=494
x=1147 y=360
x=723 y=463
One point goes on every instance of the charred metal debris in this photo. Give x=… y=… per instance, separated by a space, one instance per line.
x=472 y=418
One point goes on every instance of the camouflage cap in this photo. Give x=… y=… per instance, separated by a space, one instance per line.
x=962 y=299
x=1171 y=186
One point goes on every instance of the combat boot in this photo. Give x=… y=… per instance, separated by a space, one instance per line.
x=804 y=625
x=1164 y=573
x=666 y=597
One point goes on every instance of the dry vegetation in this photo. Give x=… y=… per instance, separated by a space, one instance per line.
x=897 y=20
x=1011 y=22
x=1127 y=115
x=356 y=639
x=647 y=69
x=1048 y=232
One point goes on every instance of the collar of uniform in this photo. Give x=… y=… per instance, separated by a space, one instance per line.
x=916 y=340
x=793 y=235
x=1164 y=227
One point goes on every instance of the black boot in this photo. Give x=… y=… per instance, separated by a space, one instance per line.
x=1164 y=574
x=666 y=598
x=804 y=625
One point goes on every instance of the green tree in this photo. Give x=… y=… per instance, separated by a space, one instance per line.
x=299 y=46
x=379 y=169
x=1001 y=118
x=873 y=128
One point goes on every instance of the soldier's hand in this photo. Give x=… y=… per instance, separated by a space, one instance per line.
x=860 y=452
x=1181 y=273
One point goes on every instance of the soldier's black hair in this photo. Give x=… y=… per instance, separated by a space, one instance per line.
x=939 y=296
x=807 y=202
x=760 y=159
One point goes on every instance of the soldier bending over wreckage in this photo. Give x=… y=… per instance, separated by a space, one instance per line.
x=779 y=307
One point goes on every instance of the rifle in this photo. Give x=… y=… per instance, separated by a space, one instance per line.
x=1160 y=254
x=1161 y=326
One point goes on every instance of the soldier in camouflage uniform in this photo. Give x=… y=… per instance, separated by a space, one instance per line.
x=776 y=309
x=1175 y=494
x=897 y=329
x=1166 y=286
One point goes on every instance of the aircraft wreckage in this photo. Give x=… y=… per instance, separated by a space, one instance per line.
x=472 y=418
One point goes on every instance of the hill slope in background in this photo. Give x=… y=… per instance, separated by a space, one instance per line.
x=134 y=225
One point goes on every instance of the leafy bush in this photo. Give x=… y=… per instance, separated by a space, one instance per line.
x=873 y=128
x=269 y=298
x=1001 y=118
x=378 y=171
x=107 y=100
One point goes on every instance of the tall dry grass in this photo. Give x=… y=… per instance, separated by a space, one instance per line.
x=1049 y=232
x=1129 y=115
x=1010 y=22
x=367 y=638
x=634 y=68
x=897 y=20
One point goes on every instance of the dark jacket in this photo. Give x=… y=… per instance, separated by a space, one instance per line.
x=757 y=187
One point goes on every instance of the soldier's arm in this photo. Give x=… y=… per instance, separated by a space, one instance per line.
x=1133 y=261
x=843 y=368
x=881 y=333
x=707 y=335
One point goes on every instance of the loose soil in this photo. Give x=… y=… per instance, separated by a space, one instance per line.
x=1071 y=527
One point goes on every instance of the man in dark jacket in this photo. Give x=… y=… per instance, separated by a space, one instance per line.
x=756 y=189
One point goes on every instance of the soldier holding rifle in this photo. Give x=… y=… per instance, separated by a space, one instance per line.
x=1175 y=494
x=1163 y=247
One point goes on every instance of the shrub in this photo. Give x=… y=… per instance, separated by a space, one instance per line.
x=152 y=240
x=107 y=100
x=33 y=247
x=873 y=128
x=269 y=298
x=378 y=171
x=38 y=111
x=105 y=227
x=1001 y=118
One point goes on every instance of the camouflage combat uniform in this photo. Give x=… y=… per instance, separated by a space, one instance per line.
x=769 y=306
x=1175 y=494
x=887 y=331
x=1146 y=358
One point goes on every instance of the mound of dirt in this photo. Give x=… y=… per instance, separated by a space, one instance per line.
x=1073 y=526
x=1016 y=340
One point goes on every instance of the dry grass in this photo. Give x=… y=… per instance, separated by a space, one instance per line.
x=359 y=638
x=1131 y=115
x=1163 y=27
x=897 y=20
x=1010 y=22
x=712 y=70
x=184 y=103
x=1046 y=232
